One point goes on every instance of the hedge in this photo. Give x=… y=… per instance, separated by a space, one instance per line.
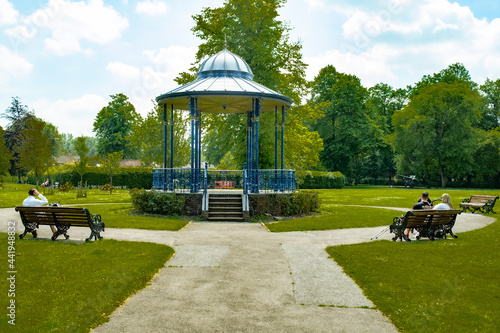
x=142 y=177
x=319 y=180
x=299 y=202
x=154 y=202
x=131 y=177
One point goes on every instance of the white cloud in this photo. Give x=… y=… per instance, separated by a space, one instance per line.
x=74 y=116
x=21 y=31
x=315 y=3
x=123 y=71
x=8 y=14
x=151 y=7
x=163 y=67
x=71 y=22
x=371 y=67
x=399 y=43
x=12 y=65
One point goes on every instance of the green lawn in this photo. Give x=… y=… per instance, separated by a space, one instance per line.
x=64 y=287
x=118 y=216
x=12 y=195
x=338 y=207
x=337 y=217
x=114 y=208
x=442 y=286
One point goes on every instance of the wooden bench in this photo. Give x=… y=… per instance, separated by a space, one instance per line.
x=482 y=203
x=431 y=223
x=62 y=218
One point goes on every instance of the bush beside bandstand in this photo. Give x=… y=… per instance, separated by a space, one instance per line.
x=165 y=203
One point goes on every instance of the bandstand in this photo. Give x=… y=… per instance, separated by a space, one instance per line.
x=224 y=84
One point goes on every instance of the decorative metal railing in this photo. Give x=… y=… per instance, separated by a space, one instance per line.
x=251 y=180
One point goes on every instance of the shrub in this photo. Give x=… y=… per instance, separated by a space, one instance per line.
x=319 y=180
x=154 y=202
x=132 y=177
x=66 y=187
x=107 y=187
x=299 y=202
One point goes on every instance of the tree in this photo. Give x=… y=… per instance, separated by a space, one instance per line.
x=17 y=115
x=35 y=148
x=5 y=154
x=55 y=139
x=113 y=124
x=82 y=150
x=227 y=162
x=346 y=129
x=111 y=165
x=491 y=110
x=434 y=135
x=486 y=158
x=16 y=111
x=252 y=30
x=148 y=138
x=455 y=73
x=381 y=104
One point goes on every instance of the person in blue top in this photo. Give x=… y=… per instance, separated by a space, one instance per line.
x=31 y=200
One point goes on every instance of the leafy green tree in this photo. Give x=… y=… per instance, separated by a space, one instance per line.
x=227 y=162
x=346 y=129
x=35 y=149
x=252 y=30
x=55 y=139
x=381 y=104
x=113 y=124
x=17 y=115
x=455 y=73
x=148 y=138
x=434 y=134
x=491 y=105
x=486 y=157
x=111 y=165
x=82 y=150
x=5 y=154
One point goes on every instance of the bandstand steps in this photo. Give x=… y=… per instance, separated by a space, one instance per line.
x=225 y=207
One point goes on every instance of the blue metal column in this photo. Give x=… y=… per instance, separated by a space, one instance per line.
x=192 y=108
x=171 y=180
x=276 y=148
x=252 y=151
x=198 y=149
x=282 y=145
x=165 y=185
x=256 y=117
x=248 y=164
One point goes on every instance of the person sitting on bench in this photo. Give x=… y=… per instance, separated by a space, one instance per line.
x=424 y=202
x=445 y=202
x=31 y=200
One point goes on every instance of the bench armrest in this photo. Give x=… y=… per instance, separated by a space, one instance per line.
x=465 y=200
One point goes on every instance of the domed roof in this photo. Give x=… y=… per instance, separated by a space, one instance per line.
x=224 y=84
x=225 y=63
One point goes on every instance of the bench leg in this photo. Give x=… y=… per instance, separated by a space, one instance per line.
x=94 y=235
x=62 y=229
x=31 y=228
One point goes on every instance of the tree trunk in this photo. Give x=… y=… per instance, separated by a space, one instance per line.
x=443 y=177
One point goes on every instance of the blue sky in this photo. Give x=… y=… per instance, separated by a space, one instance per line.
x=64 y=58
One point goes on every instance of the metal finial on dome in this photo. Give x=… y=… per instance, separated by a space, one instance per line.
x=225 y=41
